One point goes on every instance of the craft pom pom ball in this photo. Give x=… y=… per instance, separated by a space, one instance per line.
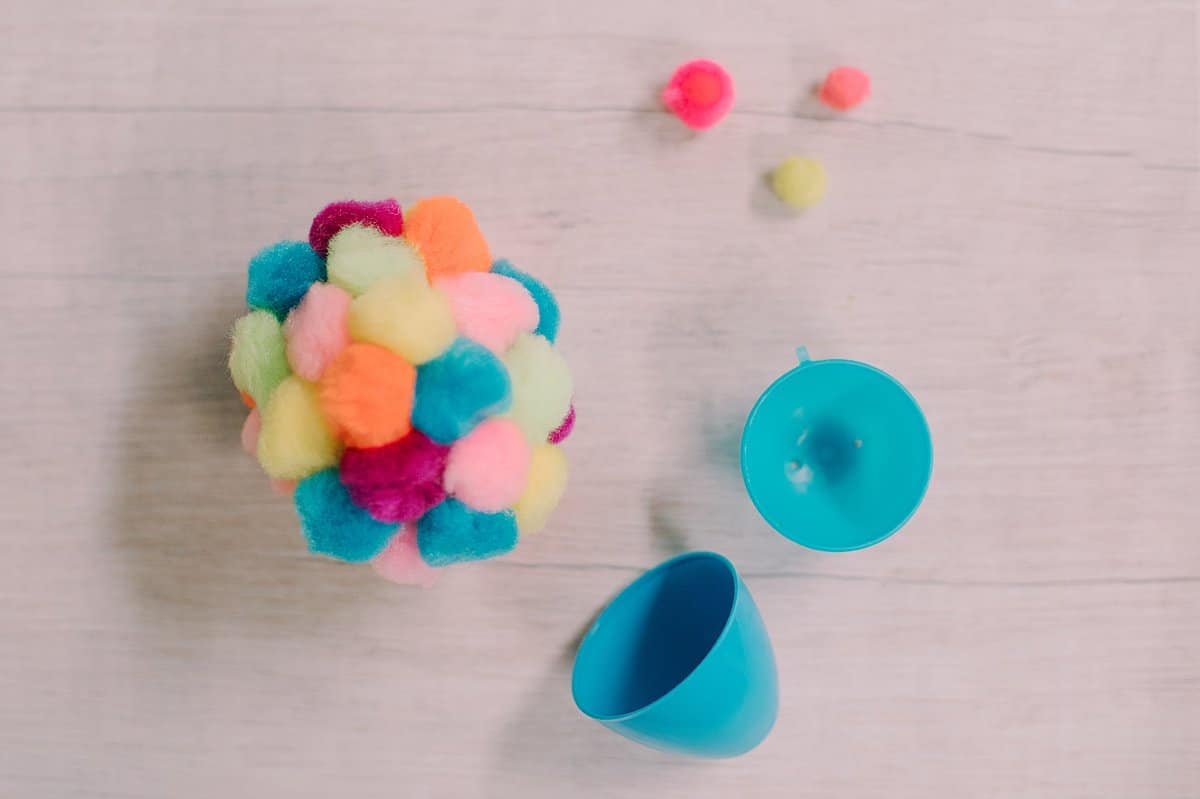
x=404 y=387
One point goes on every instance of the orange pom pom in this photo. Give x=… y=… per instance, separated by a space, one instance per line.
x=247 y=400
x=445 y=234
x=367 y=395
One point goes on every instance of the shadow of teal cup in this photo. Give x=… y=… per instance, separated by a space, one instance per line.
x=680 y=661
x=836 y=455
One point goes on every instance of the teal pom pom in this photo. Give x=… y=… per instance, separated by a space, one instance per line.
x=333 y=524
x=279 y=276
x=546 y=304
x=458 y=390
x=453 y=532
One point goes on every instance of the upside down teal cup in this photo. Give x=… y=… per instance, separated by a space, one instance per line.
x=836 y=454
x=680 y=661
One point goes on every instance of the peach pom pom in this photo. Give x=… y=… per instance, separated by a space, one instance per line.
x=367 y=394
x=401 y=562
x=487 y=468
x=284 y=488
x=845 y=87
x=444 y=232
x=250 y=431
x=700 y=93
x=316 y=330
x=490 y=309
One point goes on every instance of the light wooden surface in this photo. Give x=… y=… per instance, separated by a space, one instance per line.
x=1011 y=229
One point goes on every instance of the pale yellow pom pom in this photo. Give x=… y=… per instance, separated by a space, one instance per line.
x=799 y=182
x=406 y=316
x=295 y=440
x=541 y=386
x=543 y=490
x=360 y=255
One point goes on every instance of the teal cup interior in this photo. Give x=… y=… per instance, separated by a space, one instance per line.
x=836 y=455
x=680 y=661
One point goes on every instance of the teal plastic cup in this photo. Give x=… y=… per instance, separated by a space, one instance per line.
x=836 y=454
x=680 y=661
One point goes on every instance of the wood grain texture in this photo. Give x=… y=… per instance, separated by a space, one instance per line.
x=1011 y=229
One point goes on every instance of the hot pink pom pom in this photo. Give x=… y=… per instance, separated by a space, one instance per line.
x=845 y=87
x=316 y=330
x=250 y=430
x=401 y=562
x=487 y=469
x=384 y=215
x=489 y=308
x=397 y=482
x=560 y=433
x=700 y=93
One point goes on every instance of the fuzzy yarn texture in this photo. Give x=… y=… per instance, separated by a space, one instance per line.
x=799 y=182
x=402 y=386
x=700 y=93
x=333 y=525
x=383 y=215
x=397 y=482
x=279 y=275
x=452 y=533
x=844 y=88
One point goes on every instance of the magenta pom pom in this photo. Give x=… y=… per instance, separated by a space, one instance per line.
x=401 y=561
x=560 y=433
x=397 y=482
x=384 y=215
x=700 y=93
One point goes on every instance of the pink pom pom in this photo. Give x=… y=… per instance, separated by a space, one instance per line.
x=250 y=430
x=560 y=433
x=700 y=93
x=316 y=330
x=384 y=215
x=489 y=308
x=487 y=469
x=845 y=87
x=397 y=482
x=401 y=562
x=284 y=488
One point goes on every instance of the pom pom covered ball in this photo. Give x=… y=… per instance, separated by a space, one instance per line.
x=406 y=388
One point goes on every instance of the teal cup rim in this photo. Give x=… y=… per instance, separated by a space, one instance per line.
x=807 y=363
x=650 y=574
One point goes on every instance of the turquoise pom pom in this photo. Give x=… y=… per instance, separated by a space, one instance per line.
x=333 y=524
x=453 y=532
x=546 y=304
x=458 y=390
x=279 y=276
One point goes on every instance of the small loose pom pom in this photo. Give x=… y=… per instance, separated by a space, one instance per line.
x=295 y=440
x=250 y=430
x=400 y=561
x=490 y=309
x=316 y=330
x=458 y=389
x=541 y=386
x=700 y=93
x=405 y=315
x=333 y=525
x=560 y=433
x=487 y=467
x=258 y=357
x=397 y=482
x=284 y=488
x=799 y=182
x=845 y=87
x=445 y=234
x=359 y=256
x=383 y=215
x=279 y=275
x=452 y=533
x=545 y=487
x=367 y=395
x=547 y=306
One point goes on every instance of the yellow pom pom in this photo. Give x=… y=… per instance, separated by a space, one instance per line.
x=360 y=255
x=258 y=358
x=799 y=182
x=406 y=316
x=543 y=490
x=541 y=386
x=295 y=440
